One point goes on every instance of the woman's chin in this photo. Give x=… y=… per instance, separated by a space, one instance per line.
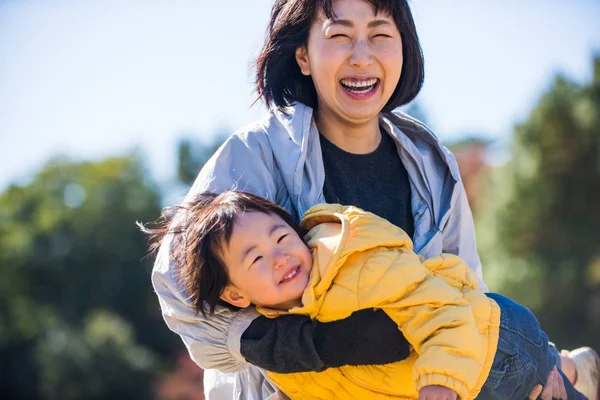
x=361 y=116
x=360 y=113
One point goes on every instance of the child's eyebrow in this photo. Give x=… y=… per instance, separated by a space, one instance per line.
x=274 y=227
x=277 y=226
x=246 y=252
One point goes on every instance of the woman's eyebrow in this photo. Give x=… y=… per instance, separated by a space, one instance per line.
x=347 y=23
x=378 y=22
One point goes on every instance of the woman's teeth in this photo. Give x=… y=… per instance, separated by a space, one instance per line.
x=360 y=87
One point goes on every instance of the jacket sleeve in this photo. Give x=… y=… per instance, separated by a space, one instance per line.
x=241 y=163
x=459 y=235
x=212 y=342
x=452 y=270
x=434 y=318
x=295 y=343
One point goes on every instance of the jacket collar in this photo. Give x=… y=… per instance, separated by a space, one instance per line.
x=295 y=143
x=297 y=120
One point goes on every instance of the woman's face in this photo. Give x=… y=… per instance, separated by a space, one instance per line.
x=354 y=60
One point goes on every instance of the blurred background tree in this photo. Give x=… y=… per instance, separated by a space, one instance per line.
x=539 y=230
x=78 y=317
x=192 y=154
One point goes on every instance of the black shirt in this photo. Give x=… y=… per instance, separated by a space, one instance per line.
x=376 y=182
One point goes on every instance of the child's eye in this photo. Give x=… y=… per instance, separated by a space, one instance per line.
x=381 y=35
x=257 y=259
x=281 y=238
x=338 y=35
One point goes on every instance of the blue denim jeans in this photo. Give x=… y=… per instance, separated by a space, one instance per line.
x=524 y=357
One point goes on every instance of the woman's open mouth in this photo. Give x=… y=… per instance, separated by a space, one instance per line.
x=360 y=88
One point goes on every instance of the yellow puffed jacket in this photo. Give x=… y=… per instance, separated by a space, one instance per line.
x=363 y=261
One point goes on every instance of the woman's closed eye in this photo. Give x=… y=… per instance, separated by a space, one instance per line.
x=281 y=238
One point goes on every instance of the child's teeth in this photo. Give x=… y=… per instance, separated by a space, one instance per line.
x=291 y=274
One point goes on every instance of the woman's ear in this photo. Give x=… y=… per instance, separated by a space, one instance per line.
x=302 y=60
x=234 y=297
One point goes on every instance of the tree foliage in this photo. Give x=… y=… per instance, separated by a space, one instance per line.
x=543 y=242
x=193 y=154
x=78 y=318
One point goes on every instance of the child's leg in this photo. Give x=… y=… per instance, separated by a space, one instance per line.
x=523 y=358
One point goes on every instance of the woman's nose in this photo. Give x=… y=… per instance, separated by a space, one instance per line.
x=361 y=54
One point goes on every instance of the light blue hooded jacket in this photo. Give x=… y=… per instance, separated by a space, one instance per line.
x=279 y=158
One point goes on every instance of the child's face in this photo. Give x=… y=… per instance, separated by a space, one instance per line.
x=268 y=263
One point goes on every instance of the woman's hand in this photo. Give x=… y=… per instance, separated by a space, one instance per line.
x=554 y=389
x=436 y=392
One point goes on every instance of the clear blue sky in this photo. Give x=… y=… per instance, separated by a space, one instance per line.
x=95 y=78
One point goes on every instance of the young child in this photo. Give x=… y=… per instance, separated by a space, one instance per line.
x=240 y=249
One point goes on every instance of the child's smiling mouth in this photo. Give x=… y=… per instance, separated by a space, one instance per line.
x=291 y=275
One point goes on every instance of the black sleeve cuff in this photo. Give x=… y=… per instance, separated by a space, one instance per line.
x=294 y=343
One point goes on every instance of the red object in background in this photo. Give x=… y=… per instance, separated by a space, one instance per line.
x=183 y=383
x=470 y=156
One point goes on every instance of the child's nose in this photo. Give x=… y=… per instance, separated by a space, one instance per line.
x=280 y=259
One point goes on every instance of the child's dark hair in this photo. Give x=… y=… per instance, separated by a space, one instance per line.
x=200 y=228
x=279 y=81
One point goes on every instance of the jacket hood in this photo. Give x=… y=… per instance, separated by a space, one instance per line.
x=334 y=233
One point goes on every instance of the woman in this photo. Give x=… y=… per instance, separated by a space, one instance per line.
x=332 y=72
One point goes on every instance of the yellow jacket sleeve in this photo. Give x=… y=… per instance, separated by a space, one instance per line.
x=453 y=270
x=434 y=318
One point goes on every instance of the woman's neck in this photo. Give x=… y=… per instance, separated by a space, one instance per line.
x=360 y=138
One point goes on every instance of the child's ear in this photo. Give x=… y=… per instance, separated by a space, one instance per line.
x=302 y=60
x=234 y=297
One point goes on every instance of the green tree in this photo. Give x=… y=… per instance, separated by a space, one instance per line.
x=193 y=154
x=78 y=317
x=542 y=244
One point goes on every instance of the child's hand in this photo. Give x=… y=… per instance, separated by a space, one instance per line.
x=436 y=392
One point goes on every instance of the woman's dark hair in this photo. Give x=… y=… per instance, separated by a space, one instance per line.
x=279 y=80
x=200 y=228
